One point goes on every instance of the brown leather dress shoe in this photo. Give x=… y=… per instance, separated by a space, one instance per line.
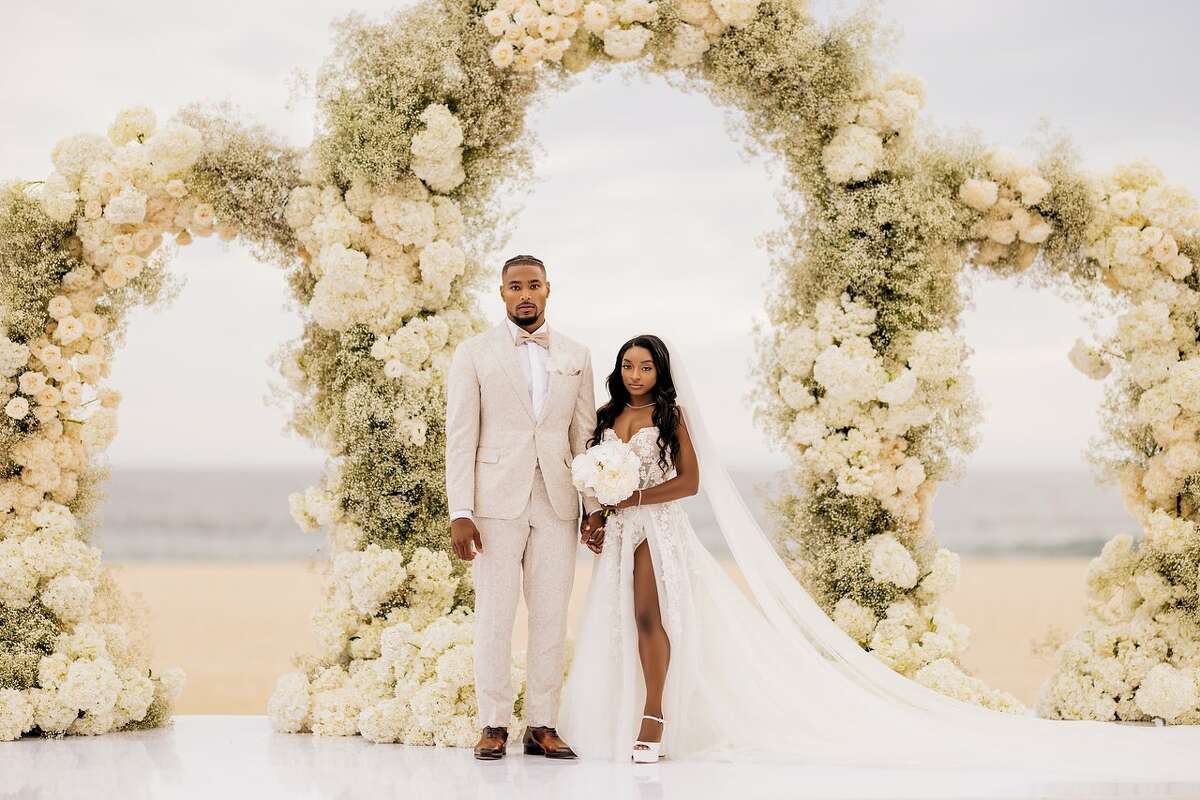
x=491 y=744
x=541 y=740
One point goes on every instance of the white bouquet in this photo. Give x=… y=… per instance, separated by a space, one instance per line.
x=609 y=470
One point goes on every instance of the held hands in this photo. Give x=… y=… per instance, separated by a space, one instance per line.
x=591 y=528
x=591 y=531
x=464 y=534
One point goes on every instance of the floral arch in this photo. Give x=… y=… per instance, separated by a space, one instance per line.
x=382 y=223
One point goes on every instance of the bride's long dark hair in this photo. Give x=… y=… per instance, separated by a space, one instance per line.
x=666 y=413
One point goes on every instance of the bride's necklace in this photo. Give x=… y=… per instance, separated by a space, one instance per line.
x=647 y=405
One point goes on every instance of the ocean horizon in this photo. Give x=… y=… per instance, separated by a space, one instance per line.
x=242 y=514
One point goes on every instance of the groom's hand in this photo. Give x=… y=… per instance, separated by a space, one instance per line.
x=463 y=534
x=591 y=531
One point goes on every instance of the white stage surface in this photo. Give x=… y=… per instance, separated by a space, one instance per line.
x=225 y=757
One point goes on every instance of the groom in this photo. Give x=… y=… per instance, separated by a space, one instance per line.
x=519 y=407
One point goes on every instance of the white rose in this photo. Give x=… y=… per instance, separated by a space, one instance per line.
x=1088 y=360
x=496 y=21
x=595 y=18
x=550 y=28
x=1178 y=267
x=17 y=408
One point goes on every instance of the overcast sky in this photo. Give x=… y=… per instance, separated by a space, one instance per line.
x=644 y=208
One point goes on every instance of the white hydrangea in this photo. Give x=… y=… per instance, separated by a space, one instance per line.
x=57 y=198
x=1168 y=533
x=945 y=677
x=173 y=150
x=1146 y=324
x=943 y=573
x=437 y=150
x=341 y=290
x=1167 y=692
x=16 y=714
x=13 y=357
x=370 y=575
x=68 y=597
x=133 y=123
x=91 y=685
x=72 y=156
x=49 y=713
x=335 y=706
x=440 y=263
x=850 y=371
x=891 y=562
x=892 y=105
x=936 y=355
x=288 y=706
x=626 y=44
x=853 y=154
x=856 y=620
x=798 y=350
x=384 y=721
x=405 y=221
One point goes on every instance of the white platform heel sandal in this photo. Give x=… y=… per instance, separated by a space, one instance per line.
x=648 y=752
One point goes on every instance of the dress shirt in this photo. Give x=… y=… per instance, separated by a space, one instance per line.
x=533 y=359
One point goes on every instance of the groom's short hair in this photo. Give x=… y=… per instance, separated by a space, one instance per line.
x=522 y=259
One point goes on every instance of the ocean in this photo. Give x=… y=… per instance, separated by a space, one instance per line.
x=241 y=514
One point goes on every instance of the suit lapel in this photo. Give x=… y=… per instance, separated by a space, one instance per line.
x=506 y=355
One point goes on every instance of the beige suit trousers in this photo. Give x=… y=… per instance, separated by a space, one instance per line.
x=541 y=545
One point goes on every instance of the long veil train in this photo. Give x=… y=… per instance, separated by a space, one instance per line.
x=793 y=684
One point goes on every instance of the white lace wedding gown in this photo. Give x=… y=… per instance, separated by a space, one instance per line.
x=605 y=693
x=774 y=678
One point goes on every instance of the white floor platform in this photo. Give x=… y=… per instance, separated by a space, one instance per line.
x=226 y=757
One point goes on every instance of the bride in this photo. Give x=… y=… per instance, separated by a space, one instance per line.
x=672 y=658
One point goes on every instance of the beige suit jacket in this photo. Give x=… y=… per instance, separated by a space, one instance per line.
x=493 y=440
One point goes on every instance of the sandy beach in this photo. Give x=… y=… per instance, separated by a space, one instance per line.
x=234 y=626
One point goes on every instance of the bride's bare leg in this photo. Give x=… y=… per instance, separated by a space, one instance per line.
x=653 y=646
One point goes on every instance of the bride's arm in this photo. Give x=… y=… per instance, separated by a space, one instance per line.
x=685 y=483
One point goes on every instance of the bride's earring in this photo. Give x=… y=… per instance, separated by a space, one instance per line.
x=649 y=752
